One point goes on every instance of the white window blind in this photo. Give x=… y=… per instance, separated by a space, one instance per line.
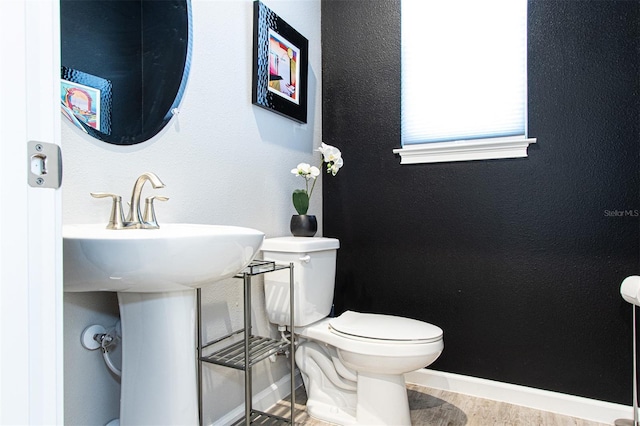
x=463 y=70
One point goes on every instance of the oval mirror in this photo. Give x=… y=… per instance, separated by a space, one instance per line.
x=124 y=65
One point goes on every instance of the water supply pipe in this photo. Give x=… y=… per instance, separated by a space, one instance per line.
x=97 y=337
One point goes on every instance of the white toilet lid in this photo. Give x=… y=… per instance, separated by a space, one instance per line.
x=385 y=327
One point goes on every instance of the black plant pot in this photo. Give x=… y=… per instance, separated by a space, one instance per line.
x=303 y=225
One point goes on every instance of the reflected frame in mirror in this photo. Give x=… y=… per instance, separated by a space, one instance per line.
x=92 y=32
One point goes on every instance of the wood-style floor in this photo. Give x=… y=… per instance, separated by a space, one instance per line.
x=431 y=407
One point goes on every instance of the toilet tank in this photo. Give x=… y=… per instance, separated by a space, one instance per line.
x=314 y=271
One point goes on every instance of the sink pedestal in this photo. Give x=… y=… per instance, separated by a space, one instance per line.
x=158 y=358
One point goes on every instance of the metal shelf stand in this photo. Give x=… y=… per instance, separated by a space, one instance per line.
x=242 y=354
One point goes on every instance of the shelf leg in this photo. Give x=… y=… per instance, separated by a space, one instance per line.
x=199 y=363
x=248 y=393
x=293 y=346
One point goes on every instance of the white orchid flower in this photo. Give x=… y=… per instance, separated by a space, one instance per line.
x=330 y=153
x=306 y=170
x=314 y=172
x=335 y=166
x=332 y=156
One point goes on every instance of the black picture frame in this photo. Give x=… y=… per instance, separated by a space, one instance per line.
x=280 y=65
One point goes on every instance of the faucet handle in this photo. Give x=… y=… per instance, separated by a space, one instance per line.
x=149 y=217
x=116 y=219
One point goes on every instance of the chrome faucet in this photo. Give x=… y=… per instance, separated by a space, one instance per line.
x=135 y=219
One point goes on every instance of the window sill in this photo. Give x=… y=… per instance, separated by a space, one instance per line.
x=486 y=149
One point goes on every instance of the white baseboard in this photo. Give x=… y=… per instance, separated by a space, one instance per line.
x=568 y=405
x=262 y=400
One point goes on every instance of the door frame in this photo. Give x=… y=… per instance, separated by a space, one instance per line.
x=31 y=290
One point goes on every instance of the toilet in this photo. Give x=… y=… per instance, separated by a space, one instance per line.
x=352 y=365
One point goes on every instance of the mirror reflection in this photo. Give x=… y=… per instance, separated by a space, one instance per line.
x=124 y=65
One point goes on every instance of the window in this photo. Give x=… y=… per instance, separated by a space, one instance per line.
x=464 y=91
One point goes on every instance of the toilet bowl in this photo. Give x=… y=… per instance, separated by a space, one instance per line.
x=352 y=365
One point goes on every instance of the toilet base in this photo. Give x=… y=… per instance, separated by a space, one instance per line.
x=329 y=414
x=338 y=395
x=331 y=392
x=382 y=400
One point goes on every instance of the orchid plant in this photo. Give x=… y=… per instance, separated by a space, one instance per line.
x=332 y=157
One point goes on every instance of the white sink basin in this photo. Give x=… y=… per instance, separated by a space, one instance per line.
x=173 y=258
x=155 y=273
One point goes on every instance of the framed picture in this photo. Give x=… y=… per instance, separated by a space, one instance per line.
x=86 y=99
x=81 y=102
x=280 y=65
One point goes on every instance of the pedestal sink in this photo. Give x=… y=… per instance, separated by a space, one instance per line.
x=155 y=273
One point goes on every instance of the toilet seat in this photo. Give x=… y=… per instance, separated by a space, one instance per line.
x=384 y=328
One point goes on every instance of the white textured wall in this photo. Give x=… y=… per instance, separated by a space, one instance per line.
x=224 y=162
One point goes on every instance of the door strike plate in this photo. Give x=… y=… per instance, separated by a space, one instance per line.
x=44 y=165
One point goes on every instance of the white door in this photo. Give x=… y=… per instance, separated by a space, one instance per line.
x=31 y=364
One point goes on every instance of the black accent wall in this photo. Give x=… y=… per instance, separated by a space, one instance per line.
x=520 y=260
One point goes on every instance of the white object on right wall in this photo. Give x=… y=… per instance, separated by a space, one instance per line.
x=630 y=289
